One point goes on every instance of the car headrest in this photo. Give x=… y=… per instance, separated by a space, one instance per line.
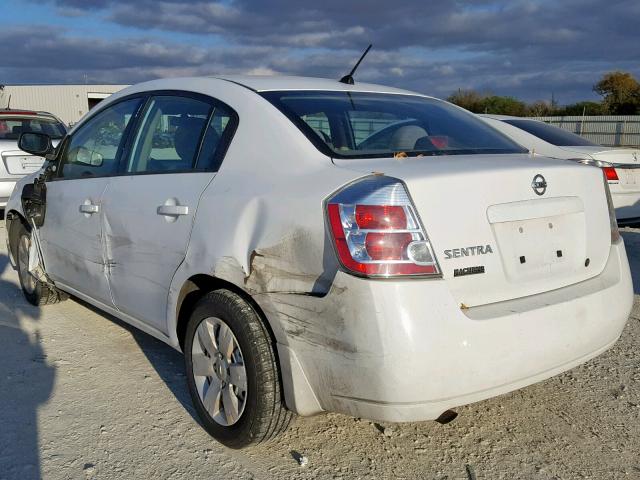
x=186 y=138
x=405 y=137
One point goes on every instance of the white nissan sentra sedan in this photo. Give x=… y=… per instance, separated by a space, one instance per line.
x=304 y=264
x=621 y=166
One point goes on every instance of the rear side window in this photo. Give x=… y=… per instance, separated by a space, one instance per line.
x=219 y=129
x=369 y=125
x=11 y=127
x=170 y=134
x=553 y=135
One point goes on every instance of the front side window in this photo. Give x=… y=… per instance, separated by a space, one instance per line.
x=12 y=126
x=553 y=135
x=169 y=137
x=369 y=125
x=94 y=149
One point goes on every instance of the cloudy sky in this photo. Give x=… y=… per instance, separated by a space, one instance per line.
x=529 y=49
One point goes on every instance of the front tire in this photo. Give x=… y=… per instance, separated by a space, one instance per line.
x=232 y=372
x=36 y=292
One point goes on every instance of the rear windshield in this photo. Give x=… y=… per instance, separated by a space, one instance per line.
x=549 y=133
x=369 y=125
x=11 y=127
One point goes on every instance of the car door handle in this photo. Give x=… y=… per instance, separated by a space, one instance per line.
x=89 y=208
x=173 y=210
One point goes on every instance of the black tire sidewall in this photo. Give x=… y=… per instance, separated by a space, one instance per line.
x=32 y=297
x=232 y=313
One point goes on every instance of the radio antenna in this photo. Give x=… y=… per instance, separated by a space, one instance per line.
x=348 y=79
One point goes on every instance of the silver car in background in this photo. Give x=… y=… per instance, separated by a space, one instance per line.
x=621 y=166
x=15 y=163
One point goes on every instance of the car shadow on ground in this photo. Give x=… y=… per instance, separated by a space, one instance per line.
x=26 y=381
x=165 y=360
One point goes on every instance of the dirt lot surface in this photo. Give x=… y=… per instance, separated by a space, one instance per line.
x=83 y=395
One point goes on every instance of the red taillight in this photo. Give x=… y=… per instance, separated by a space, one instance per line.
x=613 y=222
x=379 y=239
x=610 y=174
x=380 y=217
x=387 y=246
x=341 y=241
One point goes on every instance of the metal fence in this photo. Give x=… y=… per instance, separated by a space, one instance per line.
x=610 y=130
x=362 y=128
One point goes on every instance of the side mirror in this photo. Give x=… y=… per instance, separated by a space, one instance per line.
x=36 y=143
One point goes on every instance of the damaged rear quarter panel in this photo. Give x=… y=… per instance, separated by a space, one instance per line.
x=260 y=225
x=264 y=243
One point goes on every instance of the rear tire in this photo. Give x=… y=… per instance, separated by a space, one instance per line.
x=254 y=410
x=36 y=292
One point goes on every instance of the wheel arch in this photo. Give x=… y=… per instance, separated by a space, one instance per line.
x=297 y=392
x=14 y=218
x=195 y=287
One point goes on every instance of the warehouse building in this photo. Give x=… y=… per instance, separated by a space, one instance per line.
x=67 y=102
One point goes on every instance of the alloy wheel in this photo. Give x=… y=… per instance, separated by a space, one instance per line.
x=219 y=371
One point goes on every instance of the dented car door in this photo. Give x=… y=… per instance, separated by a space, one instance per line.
x=149 y=208
x=72 y=232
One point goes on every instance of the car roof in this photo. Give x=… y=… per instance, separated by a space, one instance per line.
x=265 y=83
x=248 y=83
x=497 y=117
x=25 y=113
x=506 y=117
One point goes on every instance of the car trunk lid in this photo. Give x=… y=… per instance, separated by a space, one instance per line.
x=495 y=237
x=21 y=163
x=17 y=162
x=626 y=162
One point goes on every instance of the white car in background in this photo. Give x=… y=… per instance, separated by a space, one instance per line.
x=304 y=264
x=620 y=165
x=14 y=163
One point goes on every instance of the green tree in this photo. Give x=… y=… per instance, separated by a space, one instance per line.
x=483 y=103
x=620 y=92
x=467 y=99
x=540 y=108
x=503 y=106
x=580 y=108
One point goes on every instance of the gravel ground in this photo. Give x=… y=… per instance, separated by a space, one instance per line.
x=82 y=395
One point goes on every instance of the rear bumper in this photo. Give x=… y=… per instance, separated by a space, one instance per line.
x=6 y=188
x=404 y=350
